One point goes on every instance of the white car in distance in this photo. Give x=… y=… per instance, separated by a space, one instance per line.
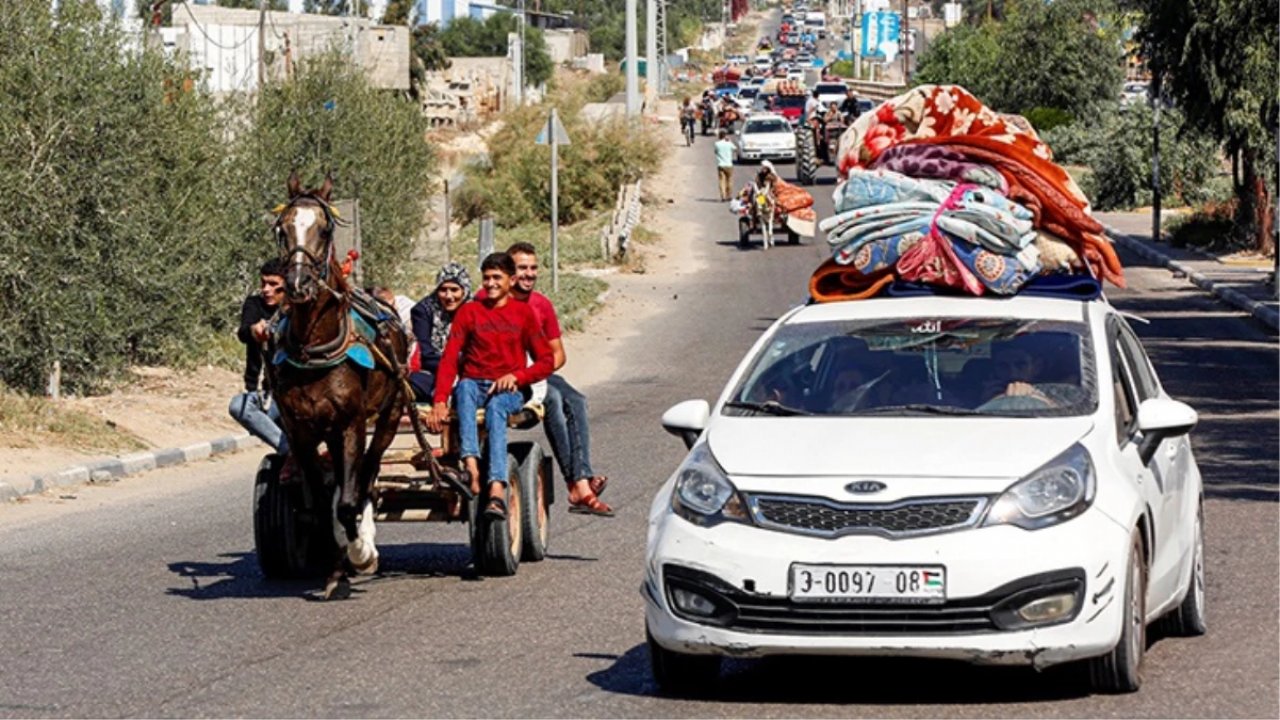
x=830 y=92
x=999 y=481
x=766 y=136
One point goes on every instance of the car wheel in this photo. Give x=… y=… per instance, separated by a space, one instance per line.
x=1120 y=671
x=679 y=674
x=1188 y=619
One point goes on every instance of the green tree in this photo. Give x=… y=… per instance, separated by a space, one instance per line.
x=278 y=5
x=397 y=12
x=1042 y=56
x=1217 y=60
x=336 y=7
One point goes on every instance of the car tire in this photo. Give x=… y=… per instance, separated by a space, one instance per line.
x=1120 y=671
x=744 y=232
x=1188 y=619
x=679 y=674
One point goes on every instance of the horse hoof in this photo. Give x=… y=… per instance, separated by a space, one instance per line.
x=363 y=556
x=339 y=589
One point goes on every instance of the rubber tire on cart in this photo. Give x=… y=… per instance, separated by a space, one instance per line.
x=1120 y=671
x=535 y=495
x=498 y=545
x=744 y=232
x=679 y=674
x=1188 y=619
x=806 y=159
x=292 y=537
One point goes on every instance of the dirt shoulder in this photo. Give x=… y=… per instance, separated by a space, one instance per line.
x=163 y=408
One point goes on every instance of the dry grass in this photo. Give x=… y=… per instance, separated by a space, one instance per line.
x=28 y=422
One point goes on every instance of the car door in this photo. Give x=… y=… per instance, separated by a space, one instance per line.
x=1163 y=483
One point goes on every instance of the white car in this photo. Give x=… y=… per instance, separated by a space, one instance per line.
x=763 y=63
x=796 y=74
x=766 y=136
x=830 y=92
x=999 y=481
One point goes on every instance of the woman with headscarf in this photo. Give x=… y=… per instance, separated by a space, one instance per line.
x=431 y=318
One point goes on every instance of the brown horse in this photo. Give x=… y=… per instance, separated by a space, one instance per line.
x=324 y=394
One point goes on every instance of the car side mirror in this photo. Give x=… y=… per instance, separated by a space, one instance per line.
x=687 y=420
x=1161 y=418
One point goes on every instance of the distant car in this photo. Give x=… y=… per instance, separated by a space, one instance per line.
x=766 y=136
x=805 y=59
x=865 y=106
x=830 y=92
x=763 y=63
x=738 y=60
x=1133 y=92
x=879 y=478
x=796 y=74
x=746 y=97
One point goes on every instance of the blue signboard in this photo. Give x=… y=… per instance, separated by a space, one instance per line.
x=879 y=27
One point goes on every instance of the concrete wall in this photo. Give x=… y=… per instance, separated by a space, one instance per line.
x=224 y=43
x=566 y=45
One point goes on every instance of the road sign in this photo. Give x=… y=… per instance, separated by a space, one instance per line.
x=557 y=131
x=879 y=28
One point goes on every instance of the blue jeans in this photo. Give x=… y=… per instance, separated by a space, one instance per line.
x=423 y=384
x=566 y=425
x=247 y=410
x=468 y=397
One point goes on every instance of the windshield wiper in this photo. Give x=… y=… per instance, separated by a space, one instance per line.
x=769 y=407
x=920 y=408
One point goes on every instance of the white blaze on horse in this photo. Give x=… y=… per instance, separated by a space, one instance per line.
x=336 y=365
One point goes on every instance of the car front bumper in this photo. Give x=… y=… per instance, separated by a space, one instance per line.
x=767 y=153
x=750 y=567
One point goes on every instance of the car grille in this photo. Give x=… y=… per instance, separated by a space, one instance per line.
x=753 y=612
x=819 y=516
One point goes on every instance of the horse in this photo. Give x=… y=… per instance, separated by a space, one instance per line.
x=330 y=376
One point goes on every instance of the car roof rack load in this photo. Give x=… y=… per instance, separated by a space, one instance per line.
x=941 y=195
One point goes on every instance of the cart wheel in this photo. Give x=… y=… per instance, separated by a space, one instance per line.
x=501 y=543
x=744 y=232
x=535 y=500
x=293 y=537
x=793 y=237
x=806 y=158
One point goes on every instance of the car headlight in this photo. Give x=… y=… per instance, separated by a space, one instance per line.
x=703 y=494
x=1055 y=492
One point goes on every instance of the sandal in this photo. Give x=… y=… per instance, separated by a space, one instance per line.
x=590 y=505
x=598 y=483
x=496 y=509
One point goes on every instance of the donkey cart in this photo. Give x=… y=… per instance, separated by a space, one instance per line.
x=293 y=518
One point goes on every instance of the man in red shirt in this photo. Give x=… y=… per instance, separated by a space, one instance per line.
x=566 y=417
x=486 y=352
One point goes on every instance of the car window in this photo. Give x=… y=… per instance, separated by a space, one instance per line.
x=767 y=126
x=1122 y=388
x=1144 y=376
x=830 y=89
x=944 y=366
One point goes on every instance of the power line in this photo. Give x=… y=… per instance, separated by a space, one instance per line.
x=209 y=38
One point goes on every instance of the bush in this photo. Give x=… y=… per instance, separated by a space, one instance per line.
x=134 y=217
x=1116 y=146
x=515 y=184
x=1047 y=118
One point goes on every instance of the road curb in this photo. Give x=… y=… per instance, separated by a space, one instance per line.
x=1231 y=296
x=114 y=468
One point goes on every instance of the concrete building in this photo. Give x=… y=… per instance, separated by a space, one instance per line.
x=223 y=43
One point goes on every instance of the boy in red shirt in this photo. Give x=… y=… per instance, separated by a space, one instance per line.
x=486 y=352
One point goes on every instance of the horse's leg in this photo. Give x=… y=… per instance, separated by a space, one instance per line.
x=344 y=448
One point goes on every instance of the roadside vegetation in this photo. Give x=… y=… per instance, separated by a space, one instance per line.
x=137 y=207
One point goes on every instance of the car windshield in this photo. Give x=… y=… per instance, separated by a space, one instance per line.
x=922 y=366
x=767 y=126
x=748 y=93
x=830 y=89
x=791 y=101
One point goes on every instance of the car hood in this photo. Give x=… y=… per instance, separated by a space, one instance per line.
x=970 y=447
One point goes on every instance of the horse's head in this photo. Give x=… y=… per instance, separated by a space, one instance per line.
x=304 y=231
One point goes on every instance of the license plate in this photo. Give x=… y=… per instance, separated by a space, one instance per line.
x=883 y=583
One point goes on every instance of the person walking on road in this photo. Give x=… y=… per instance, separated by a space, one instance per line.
x=724 y=165
x=249 y=408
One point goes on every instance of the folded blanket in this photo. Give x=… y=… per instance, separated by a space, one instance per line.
x=938 y=163
x=832 y=282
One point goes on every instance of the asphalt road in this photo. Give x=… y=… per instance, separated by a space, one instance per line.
x=144 y=598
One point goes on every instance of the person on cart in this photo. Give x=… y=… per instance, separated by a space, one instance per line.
x=431 y=320
x=252 y=408
x=486 y=353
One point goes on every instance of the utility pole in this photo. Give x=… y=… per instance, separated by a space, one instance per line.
x=906 y=43
x=524 y=20
x=262 y=45
x=633 y=63
x=651 y=53
x=1155 y=94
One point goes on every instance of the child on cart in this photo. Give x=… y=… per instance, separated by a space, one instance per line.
x=486 y=352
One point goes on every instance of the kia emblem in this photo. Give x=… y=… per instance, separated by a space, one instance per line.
x=865 y=487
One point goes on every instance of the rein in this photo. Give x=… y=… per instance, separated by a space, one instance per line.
x=319 y=354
